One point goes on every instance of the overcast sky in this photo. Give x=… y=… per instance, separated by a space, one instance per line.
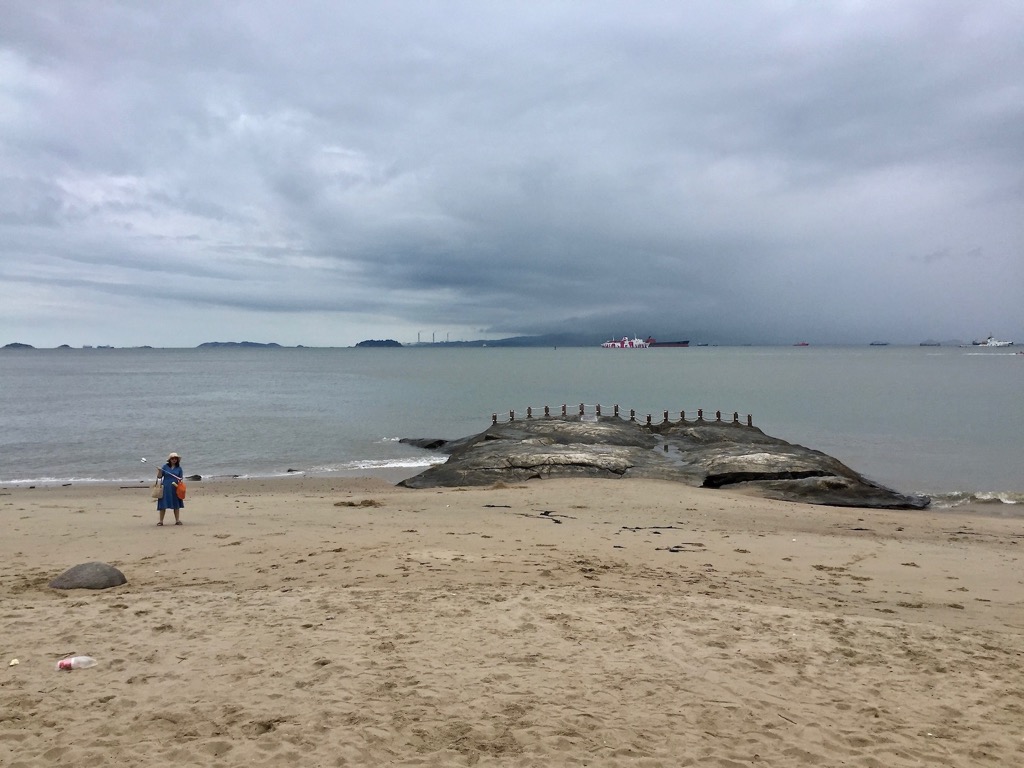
x=320 y=173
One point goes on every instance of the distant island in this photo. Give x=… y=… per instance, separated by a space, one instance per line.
x=217 y=344
x=378 y=343
x=18 y=345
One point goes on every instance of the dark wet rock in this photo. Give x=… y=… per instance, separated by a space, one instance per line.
x=428 y=443
x=709 y=454
x=89 y=576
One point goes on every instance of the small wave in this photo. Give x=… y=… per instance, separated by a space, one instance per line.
x=960 y=498
x=999 y=498
x=359 y=465
x=50 y=481
x=406 y=463
x=269 y=475
x=222 y=473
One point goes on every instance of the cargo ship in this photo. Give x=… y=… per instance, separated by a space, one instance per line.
x=652 y=342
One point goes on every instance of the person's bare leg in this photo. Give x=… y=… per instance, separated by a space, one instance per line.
x=162 y=512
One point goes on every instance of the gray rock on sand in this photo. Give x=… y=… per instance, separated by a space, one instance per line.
x=89 y=576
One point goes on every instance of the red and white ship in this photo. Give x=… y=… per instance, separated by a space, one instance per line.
x=626 y=343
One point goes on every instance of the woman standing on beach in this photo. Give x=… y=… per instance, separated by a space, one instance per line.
x=170 y=473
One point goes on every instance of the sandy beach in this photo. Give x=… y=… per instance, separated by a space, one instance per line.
x=326 y=622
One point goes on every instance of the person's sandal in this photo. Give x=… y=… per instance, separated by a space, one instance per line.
x=178 y=523
x=159 y=523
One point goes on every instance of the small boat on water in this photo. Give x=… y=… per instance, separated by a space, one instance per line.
x=801 y=344
x=625 y=343
x=992 y=342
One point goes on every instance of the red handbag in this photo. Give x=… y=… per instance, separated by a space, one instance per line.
x=179 y=488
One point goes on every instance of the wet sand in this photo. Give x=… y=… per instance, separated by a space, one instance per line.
x=326 y=622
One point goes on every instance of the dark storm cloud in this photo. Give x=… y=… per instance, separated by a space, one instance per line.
x=747 y=172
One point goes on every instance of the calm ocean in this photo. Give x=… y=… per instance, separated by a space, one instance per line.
x=943 y=421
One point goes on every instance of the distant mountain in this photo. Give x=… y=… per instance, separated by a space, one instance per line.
x=236 y=344
x=546 y=340
x=549 y=340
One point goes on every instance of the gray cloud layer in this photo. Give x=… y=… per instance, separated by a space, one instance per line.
x=321 y=172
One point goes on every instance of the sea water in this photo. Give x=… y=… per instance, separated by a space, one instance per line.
x=944 y=421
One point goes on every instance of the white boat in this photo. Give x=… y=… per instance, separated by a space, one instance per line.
x=992 y=342
x=626 y=343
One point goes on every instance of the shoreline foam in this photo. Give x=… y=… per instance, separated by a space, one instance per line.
x=997 y=503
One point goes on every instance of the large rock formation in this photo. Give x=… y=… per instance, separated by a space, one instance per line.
x=709 y=454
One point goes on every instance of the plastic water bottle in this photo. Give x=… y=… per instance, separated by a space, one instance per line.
x=76 y=662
